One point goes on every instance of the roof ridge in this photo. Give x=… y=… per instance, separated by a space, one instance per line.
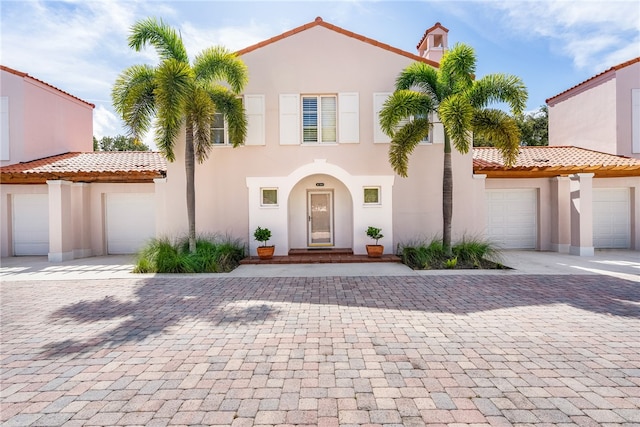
x=320 y=22
x=608 y=70
x=27 y=75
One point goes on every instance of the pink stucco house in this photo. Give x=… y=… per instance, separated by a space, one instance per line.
x=314 y=170
x=601 y=113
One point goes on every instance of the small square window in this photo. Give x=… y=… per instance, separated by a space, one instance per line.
x=269 y=197
x=372 y=195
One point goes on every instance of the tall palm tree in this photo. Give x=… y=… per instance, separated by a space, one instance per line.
x=462 y=104
x=180 y=94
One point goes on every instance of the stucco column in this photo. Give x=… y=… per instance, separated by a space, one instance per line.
x=160 y=190
x=60 y=220
x=81 y=208
x=581 y=187
x=561 y=214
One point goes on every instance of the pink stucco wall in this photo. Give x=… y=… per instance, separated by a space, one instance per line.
x=597 y=114
x=44 y=121
x=319 y=61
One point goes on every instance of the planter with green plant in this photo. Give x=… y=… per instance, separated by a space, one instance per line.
x=263 y=235
x=376 y=250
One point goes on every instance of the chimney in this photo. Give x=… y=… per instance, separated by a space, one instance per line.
x=434 y=43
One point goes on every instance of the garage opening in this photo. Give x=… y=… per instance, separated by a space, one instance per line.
x=611 y=218
x=130 y=221
x=30 y=216
x=512 y=218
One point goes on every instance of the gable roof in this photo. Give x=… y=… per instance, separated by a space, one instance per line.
x=611 y=70
x=99 y=166
x=318 y=22
x=27 y=76
x=537 y=162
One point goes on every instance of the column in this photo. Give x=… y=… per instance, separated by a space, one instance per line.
x=581 y=185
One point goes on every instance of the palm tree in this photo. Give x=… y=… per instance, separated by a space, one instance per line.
x=461 y=102
x=180 y=94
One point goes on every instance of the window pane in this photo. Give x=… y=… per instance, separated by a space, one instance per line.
x=217 y=129
x=269 y=196
x=310 y=119
x=328 y=119
x=372 y=195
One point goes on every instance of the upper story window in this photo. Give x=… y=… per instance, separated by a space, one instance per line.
x=219 y=131
x=319 y=118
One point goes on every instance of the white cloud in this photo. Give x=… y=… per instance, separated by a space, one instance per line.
x=105 y=122
x=595 y=34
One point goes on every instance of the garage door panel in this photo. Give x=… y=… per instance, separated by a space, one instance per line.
x=130 y=221
x=511 y=218
x=611 y=218
x=30 y=224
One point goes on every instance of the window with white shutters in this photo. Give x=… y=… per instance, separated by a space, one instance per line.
x=319 y=119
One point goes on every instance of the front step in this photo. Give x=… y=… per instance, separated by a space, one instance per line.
x=320 y=255
x=320 y=251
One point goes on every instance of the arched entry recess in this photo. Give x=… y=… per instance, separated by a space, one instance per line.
x=276 y=216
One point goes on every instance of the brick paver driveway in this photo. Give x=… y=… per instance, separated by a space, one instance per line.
x=498 y=350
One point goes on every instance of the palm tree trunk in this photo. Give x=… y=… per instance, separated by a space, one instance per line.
x=447 y=196
x=189 y=166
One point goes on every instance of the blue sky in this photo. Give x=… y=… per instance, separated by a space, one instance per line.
x=80 y=46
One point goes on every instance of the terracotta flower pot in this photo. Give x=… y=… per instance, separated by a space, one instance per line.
x=266 y=252
x=375 y=251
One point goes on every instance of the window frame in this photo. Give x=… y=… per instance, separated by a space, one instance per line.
x=320 y=116
x=262 y=197
x=378 y=190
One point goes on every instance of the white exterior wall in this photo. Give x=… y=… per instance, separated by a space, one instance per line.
x=627 y=79
x=319 y=61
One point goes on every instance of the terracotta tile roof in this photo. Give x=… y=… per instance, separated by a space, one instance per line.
x=553 y=161
x=610 y=70
x=25 y=75
x=319 y=22
x=100 y=166
x=428 y=30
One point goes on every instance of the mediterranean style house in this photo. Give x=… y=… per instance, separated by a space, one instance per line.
x=314 y=169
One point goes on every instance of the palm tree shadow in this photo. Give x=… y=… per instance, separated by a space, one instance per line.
x=159 y=305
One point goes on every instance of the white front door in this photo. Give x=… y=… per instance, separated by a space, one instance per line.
x=320 y=218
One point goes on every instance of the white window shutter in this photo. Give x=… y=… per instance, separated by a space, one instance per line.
x=378 y=102
x=635 y=120
x=289 y=119
x=254 y=108
x=4 y=128
x=349 y=118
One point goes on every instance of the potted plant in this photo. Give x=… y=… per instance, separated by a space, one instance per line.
x=375 y=251
x=263 y=235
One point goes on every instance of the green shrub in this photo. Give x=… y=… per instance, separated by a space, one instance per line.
x=469 y=253
x=213 y=254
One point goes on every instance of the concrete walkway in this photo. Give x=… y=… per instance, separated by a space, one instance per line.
x=554 y=342
x=616 y=263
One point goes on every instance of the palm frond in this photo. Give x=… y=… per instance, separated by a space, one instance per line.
x=457 y=68
x=420 y=77
x=201 y=114
x=404 y=142
x=499 y=88
x=218 y=64
x=501 y=130
x=228 y=103
x=134 y=100
x=456 y=114
x=401 y=106
x=163 y=38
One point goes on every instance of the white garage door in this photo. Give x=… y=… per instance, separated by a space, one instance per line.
x=511 y=218
x=611 y=218
x=130 y=221
x=30 y=224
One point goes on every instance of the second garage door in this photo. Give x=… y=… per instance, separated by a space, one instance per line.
x=30 y=224
x=130 y=221
x=512 y=218
x=611 y=218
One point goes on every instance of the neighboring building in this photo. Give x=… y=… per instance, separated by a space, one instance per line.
x=601 y=113
x=39 y=120
x=314 y=170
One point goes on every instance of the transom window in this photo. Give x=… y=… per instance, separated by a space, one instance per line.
x=319 y=118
